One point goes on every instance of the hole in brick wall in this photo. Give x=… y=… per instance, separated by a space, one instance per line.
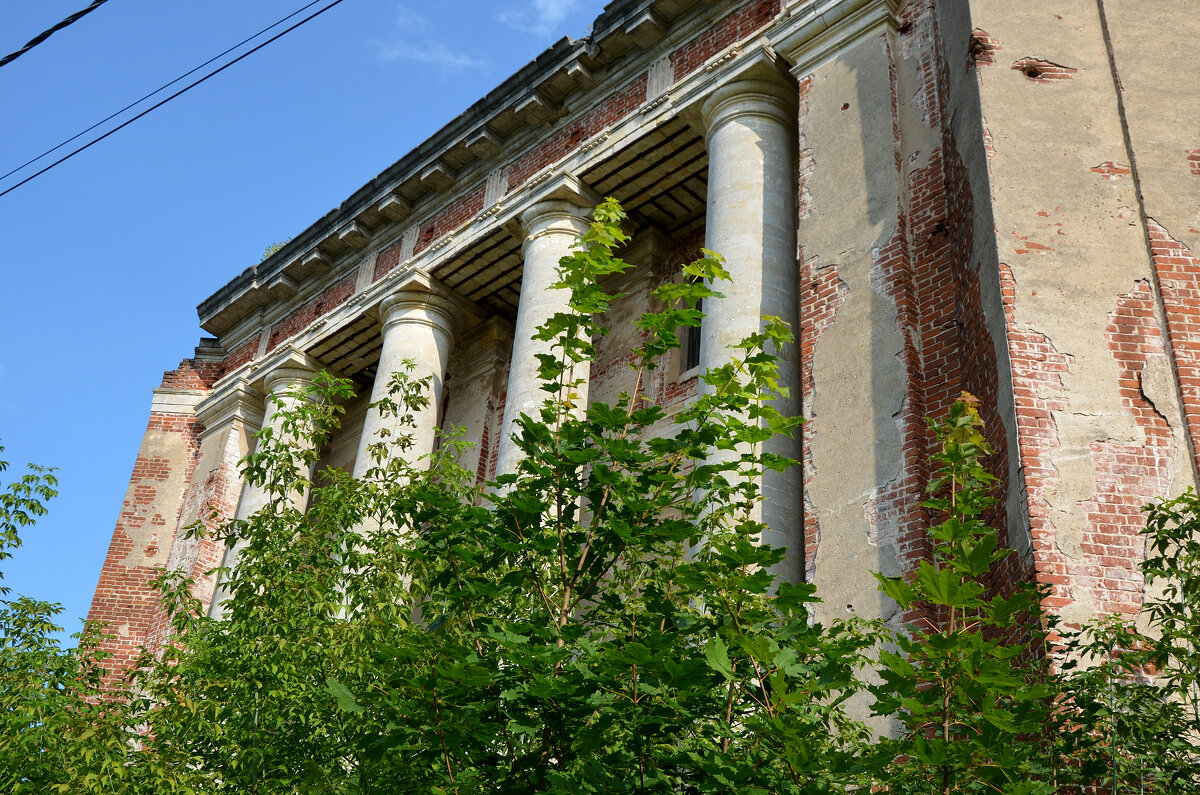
x=981 y=49
x=904 y=28
x=1041 y=71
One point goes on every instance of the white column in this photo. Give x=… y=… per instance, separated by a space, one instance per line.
x=418 y=324
x=283 y=384
x=551 y=228
x=284 y=387
x=750 y=133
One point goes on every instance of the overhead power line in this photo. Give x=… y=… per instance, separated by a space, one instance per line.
x=45 y=34
x=158 y=90
x=181 y=91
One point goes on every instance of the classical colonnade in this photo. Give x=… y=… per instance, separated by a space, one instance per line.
x=750 y=133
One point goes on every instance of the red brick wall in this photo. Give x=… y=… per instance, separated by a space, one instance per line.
x=957 y=349
x=330 y=298
x=1040 y=71
x=242 y=354
x=739 y=25
x=483 y=469
x=450 y=218
x=562 y=143
x=930 y=271
x=489 y=455
x=388 y=259
x=664 y=385
x=124 y=600
x=821 y=294
x=1178 y=271
x=1103 y=569
x=194 y=374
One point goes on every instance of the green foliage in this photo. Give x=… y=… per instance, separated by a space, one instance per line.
x=974 y=703
x=1137 y=692
x=602 y=620
x=270 y=250
x=56 y=735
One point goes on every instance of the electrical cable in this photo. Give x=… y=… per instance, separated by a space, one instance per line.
x=45 y=34
x=183 y=90
x=157 y=90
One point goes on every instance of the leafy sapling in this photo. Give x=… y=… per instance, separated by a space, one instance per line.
x=965 y=681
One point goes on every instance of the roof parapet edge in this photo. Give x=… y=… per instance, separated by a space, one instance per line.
x=559 y=55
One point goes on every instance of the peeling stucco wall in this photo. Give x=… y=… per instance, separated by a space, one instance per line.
x=853 y=373
x=1100 y=426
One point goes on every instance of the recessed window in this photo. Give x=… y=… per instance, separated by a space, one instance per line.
x=689 y=347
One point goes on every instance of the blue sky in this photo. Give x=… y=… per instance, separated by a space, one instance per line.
x=105 y=257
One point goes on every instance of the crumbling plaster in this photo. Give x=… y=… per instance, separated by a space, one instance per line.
x=1075 y=246
x=858 y=380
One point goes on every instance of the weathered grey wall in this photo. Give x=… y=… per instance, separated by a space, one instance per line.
x=1100 y=425
x=849 y=213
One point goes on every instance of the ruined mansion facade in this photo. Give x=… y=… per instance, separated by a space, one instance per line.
x=998 y=196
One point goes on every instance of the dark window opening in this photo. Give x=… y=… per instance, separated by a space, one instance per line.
x=690 y=355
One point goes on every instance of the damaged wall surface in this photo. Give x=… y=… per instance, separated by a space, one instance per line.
x=996 y=197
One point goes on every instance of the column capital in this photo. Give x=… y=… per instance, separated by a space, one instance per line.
x=233 y=401
x=765 y=96
x=554 y=217
x=564 y=187
x=419 y=298
x=563 y=204
x=291 y=368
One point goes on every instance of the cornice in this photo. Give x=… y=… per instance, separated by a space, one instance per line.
x=814 y=32
x=508 y=120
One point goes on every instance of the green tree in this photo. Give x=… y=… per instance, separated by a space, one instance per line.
x=1138 y=692
x=56 y=732
x=603 y=620
x=969 y=683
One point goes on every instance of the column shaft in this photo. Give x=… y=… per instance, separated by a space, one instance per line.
x=551 y=229
x=418 y=326
x=284 y=388
x=752 y=223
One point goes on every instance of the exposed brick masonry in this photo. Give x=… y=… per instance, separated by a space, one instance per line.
x=194 y=374
x=242 y=353
x=1040 y=71
x=821 y=293
x=1178 y=271
x=739 y=25
x=622 y=103
x=982 y=49
x=1099 y=569
x=388 y=259
x=124 y=601
x=454 y=215
x=330 y=298
x=1111 y=171
x=936 y=287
